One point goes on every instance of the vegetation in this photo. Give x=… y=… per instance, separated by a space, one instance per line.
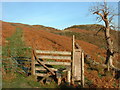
x=14 y=49
x=93 y=38
x=21 y=81
x=15 y=46
x=15 y=76
x=90 y=38
x=93 y=27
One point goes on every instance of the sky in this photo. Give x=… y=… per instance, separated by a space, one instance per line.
x=59 y=15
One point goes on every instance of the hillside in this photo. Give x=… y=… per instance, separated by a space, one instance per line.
x=92 y=27
x=47 y=38
x=88 y=33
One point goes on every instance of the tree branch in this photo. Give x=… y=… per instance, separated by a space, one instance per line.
x=99 y=31
x=97 y=12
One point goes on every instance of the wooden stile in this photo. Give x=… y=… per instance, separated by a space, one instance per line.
x=76 y=61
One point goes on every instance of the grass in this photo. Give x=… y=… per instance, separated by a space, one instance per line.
x=114 y=84
x=98 y=40
x=100 y=75
x=58 y=66
x=13 y=49
x=15 y=46
x=90 y=38
x=21 y=81
x=88 y=82
x=93 y=27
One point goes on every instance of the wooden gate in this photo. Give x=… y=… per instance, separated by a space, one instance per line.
x=42 y=61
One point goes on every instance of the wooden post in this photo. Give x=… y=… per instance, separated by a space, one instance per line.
x=73 y=50
x=33 y=64
x=68 y=77
x=82 y=68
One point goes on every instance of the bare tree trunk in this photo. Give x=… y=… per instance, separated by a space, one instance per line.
x=109 y=57
x=106 y=15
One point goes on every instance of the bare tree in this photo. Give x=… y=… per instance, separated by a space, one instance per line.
x=106 y=14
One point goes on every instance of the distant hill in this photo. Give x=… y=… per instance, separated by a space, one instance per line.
x=92 y=27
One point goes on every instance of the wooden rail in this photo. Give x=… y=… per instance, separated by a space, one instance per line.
x=41 y=68
x=55 y=63
x=54 y=52
x=54 y=57
x=34 y=53
x=40 y=74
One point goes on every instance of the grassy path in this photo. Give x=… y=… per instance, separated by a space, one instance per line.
x=12 y=79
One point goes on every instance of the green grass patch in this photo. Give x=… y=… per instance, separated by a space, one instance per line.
x=88 y=82
x=58 y=66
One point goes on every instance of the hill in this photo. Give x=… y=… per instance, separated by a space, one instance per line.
x=47 y=38
x=90 y=34
x=92 y=27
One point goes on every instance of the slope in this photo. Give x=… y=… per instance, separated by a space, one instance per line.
x=45 y=40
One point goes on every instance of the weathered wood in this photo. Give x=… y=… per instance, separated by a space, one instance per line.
x=73 y=51
x=68 y=77
x=77 y=67
x=54 y=52
x=54 y=57
x=46 y=76
x=43 y=63
x=42 y=68
x=33 y=65
x=77 y=50
x=82 y=68
x=77 y=45
x=55 y=63
x=40 y=74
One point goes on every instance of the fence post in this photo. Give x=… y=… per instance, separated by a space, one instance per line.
x=33 y=64
x=82 y=67
x=73 y=50
x=68 y=77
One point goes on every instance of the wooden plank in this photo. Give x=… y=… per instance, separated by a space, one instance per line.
x=82 y=67
x=77 y=45
x=77 y=50
x=68 y=77
x=54 y=52
x=73 y=51
x=77 y=67
x=54 y=57
x=33 y=64
x=40 y=74
x=42 y=68
x=55 y=63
